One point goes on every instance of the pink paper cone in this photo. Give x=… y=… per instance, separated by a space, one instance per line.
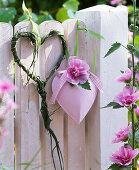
x=75 y=101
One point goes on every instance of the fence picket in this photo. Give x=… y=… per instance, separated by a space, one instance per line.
x=50 y=51
x=75 y=133
x=27 y=127
x=102 y=124
x=7 y=152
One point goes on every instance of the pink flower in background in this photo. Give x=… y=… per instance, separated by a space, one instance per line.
x=128 y=96
x=10 y=105
x=6 y=85
x=77 y=71
x=138 y=162
x=137 y=77
x=124 y=155
x=114 y=2
x=137 y=111
x=3 y=132
x=130 y=35
x=122 y=135
x=126 y=76
x=130 y=60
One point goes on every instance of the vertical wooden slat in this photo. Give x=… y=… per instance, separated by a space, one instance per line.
x=27 y=138
x=7 y=152
x=49 y=53
x=75 y=132
x=102 y=124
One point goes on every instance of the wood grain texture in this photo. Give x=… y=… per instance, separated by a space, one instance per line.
x=27 y=127
x=101 y=124
x=75 y=133
x=7 y=152
x=49 y=53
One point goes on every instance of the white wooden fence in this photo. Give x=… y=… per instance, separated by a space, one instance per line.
x=86 y=146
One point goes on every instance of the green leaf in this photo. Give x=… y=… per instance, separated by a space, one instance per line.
x=95 y=34
x=85 y=85
x=91 y=33
x=26 y=11
x=7 y=14
x=122 y=71
x=130 y=8
x=44 y=18
x=119 y=167
x=71 y=5
x=114 y=47
x=137 y=41
x=113 y=104
x=24 y=17
x=113 y=166
x=36 y=31
x=62 y=15
x=71 y=14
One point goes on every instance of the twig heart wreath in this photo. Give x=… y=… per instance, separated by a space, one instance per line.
x=42 y=83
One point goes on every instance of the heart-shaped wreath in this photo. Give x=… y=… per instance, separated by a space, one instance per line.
x=42 y=83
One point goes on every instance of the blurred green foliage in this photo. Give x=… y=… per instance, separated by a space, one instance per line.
x=42 y=10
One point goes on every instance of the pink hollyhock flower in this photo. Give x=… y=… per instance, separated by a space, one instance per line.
x=122 y=135
x=137 y=111
x=77 y=71
x=138 y=162
x=3 y=132
x=137 y=77
x=6 y=85
x=10 y=105
x=130 y=60
x=128 y=96
x=126 y=76
x=114 y=2
x=124 y=155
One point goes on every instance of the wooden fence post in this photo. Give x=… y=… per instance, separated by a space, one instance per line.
x=27 y=124
x=49 y=53
x=75 y=133
x=7 y=152
x=101 y=124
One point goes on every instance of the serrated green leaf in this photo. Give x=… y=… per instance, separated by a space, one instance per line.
x=113 y=104
x=71 y=5
x=85 y=85
x=114 y=47
x=62 y=15
x=7 y=14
